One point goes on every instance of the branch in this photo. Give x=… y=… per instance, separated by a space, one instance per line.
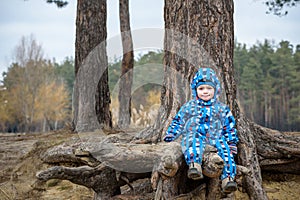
x=63 y=154
x=73 y=174
x=278 y=151
x=101 y=179
x=134 y=158
x=59 y=3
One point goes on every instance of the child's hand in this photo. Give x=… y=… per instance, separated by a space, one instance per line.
x=169 y=138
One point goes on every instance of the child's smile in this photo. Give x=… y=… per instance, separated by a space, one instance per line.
x=205 y=92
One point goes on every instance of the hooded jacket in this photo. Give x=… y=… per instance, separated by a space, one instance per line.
x=211 y=120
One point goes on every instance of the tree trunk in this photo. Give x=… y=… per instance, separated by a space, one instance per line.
x=197 y=34
x=126 y=68
x=91 y=97
x=200 y=34
x=175 y=90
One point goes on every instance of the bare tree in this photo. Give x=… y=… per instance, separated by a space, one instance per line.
x=34 y=92
x=127 y=66
x=28 y=75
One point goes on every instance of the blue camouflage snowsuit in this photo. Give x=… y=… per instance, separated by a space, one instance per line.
x=205 y=122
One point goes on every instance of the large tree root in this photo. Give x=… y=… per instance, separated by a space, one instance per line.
x=106 y=166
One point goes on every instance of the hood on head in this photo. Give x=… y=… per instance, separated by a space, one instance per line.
x=206 y=76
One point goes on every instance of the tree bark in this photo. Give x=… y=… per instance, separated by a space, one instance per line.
x=86 y=176
x=91 y=97
x=112 y=163
x=200 y=34
x=277 y=152
x=175 y=89
x=127 y=66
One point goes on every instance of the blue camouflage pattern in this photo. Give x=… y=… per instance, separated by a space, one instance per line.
x=205 y=122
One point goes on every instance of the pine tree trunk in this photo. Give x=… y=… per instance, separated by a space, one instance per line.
x=91 y=97
x=127 y=66
x=200 y=34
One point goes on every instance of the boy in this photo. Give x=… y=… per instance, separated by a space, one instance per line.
x=204 y=120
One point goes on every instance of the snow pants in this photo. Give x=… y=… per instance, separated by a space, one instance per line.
x=193 y=146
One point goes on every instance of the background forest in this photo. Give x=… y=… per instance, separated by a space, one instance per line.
x=36 y=93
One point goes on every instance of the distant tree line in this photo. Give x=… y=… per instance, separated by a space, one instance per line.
x=268 y=78
x=36 y=94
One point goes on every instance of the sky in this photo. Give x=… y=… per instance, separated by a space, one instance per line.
x=54 y=29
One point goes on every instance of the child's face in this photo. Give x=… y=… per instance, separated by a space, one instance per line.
x=205 y=92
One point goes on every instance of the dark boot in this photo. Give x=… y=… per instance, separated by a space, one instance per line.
x=228 y=185
x=195 y=171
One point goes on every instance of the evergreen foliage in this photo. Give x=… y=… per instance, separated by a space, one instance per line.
x=147 y=77
x=59 y=3
x=65 y=71
x=268 y=78
x=279 y=7
x=268 y=84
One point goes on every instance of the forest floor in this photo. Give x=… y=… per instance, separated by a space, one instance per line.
x=20 y=161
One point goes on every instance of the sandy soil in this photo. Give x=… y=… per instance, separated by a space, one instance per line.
x=19 y=162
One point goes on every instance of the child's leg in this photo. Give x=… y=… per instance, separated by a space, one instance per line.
x=229 y=169
x=193 y=146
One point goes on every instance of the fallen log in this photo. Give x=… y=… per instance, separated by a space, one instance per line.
x=121 y=163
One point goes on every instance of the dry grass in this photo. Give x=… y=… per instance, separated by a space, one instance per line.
x=20 y=156
x=143 y=114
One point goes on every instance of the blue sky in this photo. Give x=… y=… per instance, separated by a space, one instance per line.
x=54 y=28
